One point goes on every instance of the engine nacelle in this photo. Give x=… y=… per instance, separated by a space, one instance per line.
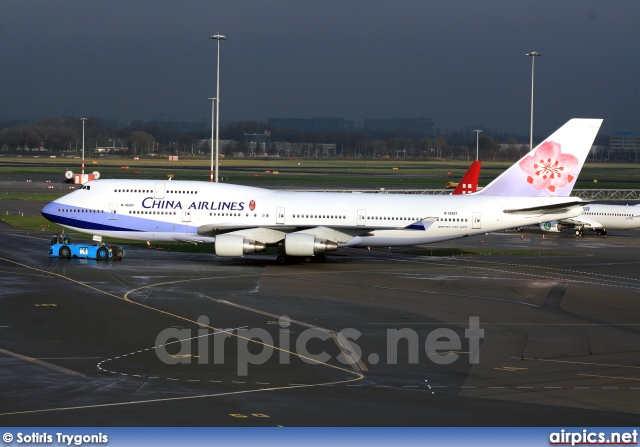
x=68 y=176
x=303 y=244
x=96 y=174
x=552 y=227
x=236 y=245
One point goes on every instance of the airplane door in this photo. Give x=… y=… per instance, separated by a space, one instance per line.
x=113 y=211
x=159 y=193
x=476 y=221
x=279 y=215
x=362 y=217
x=186 y=218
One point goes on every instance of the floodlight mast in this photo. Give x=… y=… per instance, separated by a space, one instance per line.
x=533 y=55
x=217 y=37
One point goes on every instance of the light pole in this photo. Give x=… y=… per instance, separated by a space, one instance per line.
x=477 y=132
x=83 y=120
x=533 y=55
x=218 y=37
x=213 y=101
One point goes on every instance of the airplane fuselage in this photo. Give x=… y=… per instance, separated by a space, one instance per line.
x=611 y=217
x=198 y=211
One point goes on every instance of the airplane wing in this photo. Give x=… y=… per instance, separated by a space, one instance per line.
x=297 y=241
x=195 y=239
x=273 y=235
x=581 y=221
x=547 y=209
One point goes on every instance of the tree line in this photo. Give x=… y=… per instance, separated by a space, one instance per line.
x=60 y=135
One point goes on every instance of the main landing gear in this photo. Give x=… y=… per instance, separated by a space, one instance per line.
x=599 y=232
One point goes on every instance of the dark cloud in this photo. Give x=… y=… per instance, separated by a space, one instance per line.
x=460 y=63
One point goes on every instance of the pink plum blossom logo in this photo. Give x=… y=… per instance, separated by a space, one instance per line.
x=548 y=168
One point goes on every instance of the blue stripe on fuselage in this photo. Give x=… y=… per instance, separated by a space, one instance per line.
x=101 y=222
x=84 y=224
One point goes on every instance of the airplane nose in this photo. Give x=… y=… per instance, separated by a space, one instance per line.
x=49 y=209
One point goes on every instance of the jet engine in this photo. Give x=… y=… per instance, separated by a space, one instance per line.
x=552 y=227
x=68 y=176
x=303 y=244
x=236 y=245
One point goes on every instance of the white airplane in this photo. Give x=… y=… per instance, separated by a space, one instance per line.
x=599 y=218
x=241 y=220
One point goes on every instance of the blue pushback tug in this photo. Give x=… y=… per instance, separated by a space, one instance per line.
x=62 y=247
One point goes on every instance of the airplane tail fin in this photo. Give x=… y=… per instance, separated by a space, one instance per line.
x=469 y=182
x=552 y=168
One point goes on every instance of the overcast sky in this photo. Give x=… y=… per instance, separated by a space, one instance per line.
x=460 y=63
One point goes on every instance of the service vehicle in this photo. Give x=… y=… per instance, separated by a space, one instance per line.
x=62 y=247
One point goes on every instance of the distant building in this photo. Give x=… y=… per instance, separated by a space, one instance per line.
x=624 y=146
x=624 y=141
x=223 y=145
x=286 y=149
x=110 y=149
x=325 y=150
x=259 y=143
x=309 y=150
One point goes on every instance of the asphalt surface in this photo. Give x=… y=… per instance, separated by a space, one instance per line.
x=80 y=339
x=369 y=338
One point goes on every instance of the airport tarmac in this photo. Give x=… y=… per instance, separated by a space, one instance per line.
x=118 y=343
